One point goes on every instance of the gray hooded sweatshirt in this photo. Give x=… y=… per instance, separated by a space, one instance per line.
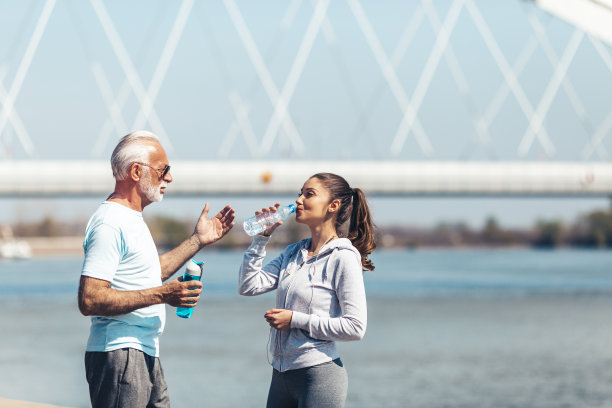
x=325 y=293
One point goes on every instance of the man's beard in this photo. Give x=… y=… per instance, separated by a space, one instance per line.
x=151 y=191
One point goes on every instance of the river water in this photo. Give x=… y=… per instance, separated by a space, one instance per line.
x=446 y=328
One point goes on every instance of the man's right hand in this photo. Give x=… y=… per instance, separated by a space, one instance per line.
x=181 y=294
x=97 y=298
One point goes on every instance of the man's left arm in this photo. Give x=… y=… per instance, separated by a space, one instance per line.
x=206 y=232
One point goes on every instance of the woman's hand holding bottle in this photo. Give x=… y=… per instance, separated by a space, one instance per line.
x=271 y=209
x=264 y=222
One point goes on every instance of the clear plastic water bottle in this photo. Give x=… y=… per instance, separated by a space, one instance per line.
x=193 y=271
x=261 y=222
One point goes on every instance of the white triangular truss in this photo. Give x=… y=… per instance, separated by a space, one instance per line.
x=592 y=20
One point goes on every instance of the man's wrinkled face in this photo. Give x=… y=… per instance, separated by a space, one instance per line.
x=152 y=190
x=153 y=182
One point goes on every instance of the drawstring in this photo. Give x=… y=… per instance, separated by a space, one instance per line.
x=274 y=355
x=311 y=276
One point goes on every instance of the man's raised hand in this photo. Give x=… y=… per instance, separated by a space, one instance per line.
x=209 y=230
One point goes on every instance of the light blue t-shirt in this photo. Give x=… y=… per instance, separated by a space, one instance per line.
x=119 y=249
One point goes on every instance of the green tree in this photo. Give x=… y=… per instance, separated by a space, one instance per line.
x=549 y=234
x=48 y=227
x=168 y=232
x=599 y=229
x=491 y=231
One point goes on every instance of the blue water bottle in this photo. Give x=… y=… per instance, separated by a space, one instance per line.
x=193 y=271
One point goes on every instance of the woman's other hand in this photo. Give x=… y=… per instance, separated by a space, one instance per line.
x=280 y=319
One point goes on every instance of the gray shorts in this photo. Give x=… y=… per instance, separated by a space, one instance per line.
x=125 y=378
x=323 y=385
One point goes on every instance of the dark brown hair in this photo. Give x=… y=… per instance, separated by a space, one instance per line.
x=353 y=205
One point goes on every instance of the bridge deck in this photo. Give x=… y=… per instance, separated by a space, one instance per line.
x=82 y=178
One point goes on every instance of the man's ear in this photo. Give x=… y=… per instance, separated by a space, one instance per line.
x=135 y=171
x=334 y=206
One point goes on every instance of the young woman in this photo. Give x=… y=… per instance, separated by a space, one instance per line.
x=320 y=295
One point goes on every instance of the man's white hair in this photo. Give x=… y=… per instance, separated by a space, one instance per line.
x=130 y=150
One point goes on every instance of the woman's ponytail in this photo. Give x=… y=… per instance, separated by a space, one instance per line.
x=361 y=229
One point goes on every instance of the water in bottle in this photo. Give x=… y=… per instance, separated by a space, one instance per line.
x=261 y=222
x=193 y=271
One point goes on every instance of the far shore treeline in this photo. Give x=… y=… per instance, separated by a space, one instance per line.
x=593 y=230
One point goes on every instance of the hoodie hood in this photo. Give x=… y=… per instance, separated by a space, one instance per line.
x=339 y=243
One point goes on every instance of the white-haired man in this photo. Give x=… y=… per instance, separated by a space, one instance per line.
x=121 y=279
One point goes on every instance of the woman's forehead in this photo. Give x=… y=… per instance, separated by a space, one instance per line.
x=313 y=183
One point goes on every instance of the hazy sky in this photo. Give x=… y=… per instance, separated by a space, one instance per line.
x=340 y=103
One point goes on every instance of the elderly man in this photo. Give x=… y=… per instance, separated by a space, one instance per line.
x=121 y=280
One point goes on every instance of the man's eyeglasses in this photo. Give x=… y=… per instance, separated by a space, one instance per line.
x=164 y=171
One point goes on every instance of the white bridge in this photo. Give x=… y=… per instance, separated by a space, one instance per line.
x=52 y=178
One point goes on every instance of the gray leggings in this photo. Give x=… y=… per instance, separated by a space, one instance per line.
x=324 y=385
